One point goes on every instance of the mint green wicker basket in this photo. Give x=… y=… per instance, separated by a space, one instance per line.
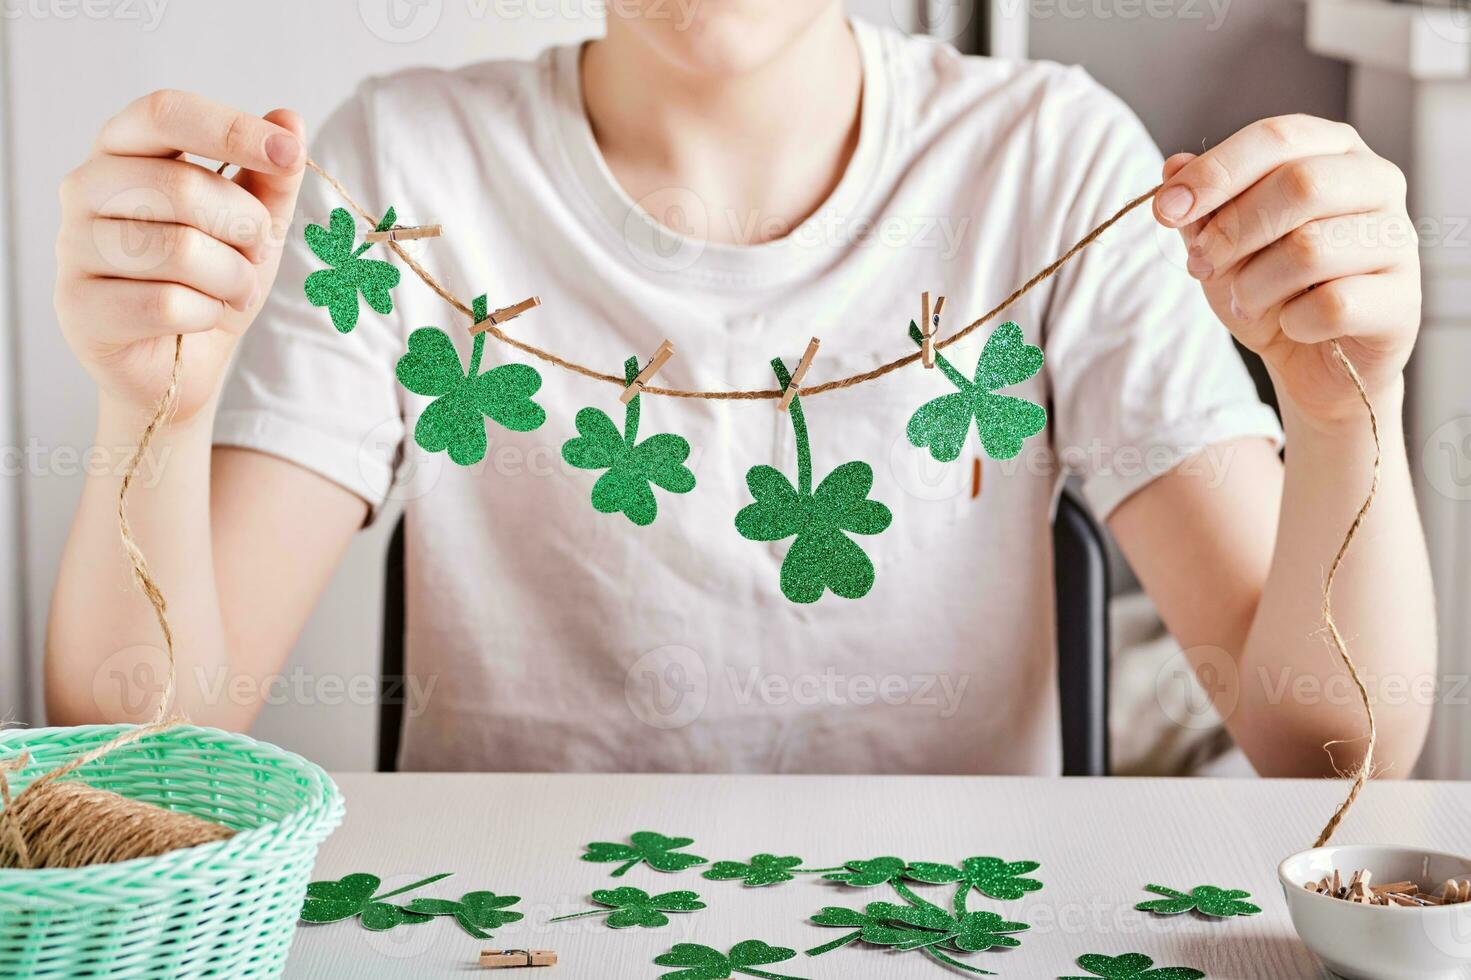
x=226 y=909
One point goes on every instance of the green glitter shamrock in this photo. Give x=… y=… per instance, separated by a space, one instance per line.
x=823 y=556
x=644 y=847
x=455 y=420
x=923 y=926
x=1131 y=966
x=337 y=288
x=704 y=963
x=987 y=875
x=1002 y=421
x=353 y=895
x=636 y=907
x=632 y=466
x=842 y=918
x=1209 y=900
x=866 y=874
x=475 y=911
x=762 y=869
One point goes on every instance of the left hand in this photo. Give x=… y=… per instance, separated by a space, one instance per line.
x=1299 y=234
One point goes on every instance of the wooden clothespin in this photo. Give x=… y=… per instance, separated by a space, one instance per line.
x=664 y=353
x=500 y=959
x=401 y=233
x=929 y=327
x=794 y=386
x=483 y=320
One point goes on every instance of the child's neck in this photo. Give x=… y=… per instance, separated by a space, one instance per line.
x=733 y=158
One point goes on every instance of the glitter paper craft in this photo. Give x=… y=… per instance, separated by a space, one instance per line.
x=990 y=876
x=350 y=274
x=645 y=847
x=354 y=895
x=705 y=963
x=476 y=912
x=866 y=874
x=455 y=420
x=1220 y=903
x=1003 y=421
x=632 y=466
x=1131 y=966
x=922 y=926
x=627 y=907
x=823 y=556
x=761 y=870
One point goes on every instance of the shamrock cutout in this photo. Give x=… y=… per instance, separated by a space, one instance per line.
x=842 y=918
x=919 y=926
x=353 y=895
x=1002 y=421
x=455 y=420
x=762 y=869
x=987 y=875
x=337 y=288
x=1131 y=966
x=1209 y=900
x=704 y=963
x=823 y=556
x=655 y=850
x=632 y=466
x=636 y=907
x=475 y=911
x=866 y=874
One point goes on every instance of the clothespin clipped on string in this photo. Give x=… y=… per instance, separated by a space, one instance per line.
x=794 y=386
x=664 y=353
x=484 y=321
x=500 y=959
x=929 y=327
x=401 y=233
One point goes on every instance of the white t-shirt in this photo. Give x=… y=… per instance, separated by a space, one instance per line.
x=568 y=639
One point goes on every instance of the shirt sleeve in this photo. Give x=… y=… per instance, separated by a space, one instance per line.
x=298 y=389
x=1142 y=373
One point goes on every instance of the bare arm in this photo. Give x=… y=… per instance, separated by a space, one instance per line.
x=1299 y=235
x=241 y=544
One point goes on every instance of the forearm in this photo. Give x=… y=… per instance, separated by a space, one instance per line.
x=1296 y=694
x=105 y=657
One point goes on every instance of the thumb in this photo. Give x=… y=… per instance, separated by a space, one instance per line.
x=278 y=191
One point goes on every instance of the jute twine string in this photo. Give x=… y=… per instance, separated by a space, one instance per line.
x=53 y=824
x=1363 y=772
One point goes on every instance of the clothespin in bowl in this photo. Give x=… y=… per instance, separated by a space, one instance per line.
x=484 y=321
x=402 y=233
x=794 y=386
x=929 y=327
x=499 y=959
x=663 y=354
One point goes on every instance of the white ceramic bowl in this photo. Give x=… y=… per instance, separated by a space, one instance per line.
x=1371 y=942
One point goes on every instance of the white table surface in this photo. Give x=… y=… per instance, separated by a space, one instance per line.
x=1099 y=841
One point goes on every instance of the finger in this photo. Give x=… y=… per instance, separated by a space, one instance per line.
x=277 y=192
x=1352 y=307
x=133 y=310
x=1317 y=252
x=1289 y=197
x=171 y=191
x=1244 y=158
x=1173 y=166
x=167 y=122
x=152 y=251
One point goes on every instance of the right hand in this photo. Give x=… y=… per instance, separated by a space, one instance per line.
x=152 y=246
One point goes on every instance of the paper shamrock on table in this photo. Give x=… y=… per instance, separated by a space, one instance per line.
x=988 y=875
x=1131 y=966
x=823 y=556
x=866 y=874
x=475 y=911
x=636 y=907
x=353 y=895
x=922 y=926
x=644 y=847
x=455 y=420
x=1209 y=900
x=705 y=963
x=1003 y=421
x=762 y=869
x=337 y=288
x=632 y=466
